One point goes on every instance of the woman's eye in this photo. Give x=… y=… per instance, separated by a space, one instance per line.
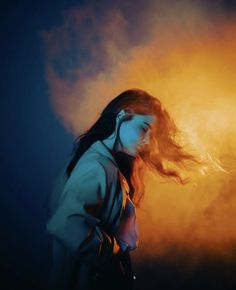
x=145 y=129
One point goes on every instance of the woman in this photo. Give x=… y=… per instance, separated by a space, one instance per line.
x=92 y=220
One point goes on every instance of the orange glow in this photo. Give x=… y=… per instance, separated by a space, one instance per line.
x=191 y=67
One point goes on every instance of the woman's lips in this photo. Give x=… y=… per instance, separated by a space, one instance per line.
x=139 y=147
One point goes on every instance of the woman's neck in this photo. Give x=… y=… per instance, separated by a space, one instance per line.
x=109 y=143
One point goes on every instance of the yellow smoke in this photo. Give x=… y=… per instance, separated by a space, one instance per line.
x=187 y=60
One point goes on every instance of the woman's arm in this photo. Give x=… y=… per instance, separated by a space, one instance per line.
x=76 y=221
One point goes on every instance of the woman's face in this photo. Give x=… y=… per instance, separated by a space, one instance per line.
x=134 y=133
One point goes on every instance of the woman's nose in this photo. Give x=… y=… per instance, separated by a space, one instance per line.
x=146 y=139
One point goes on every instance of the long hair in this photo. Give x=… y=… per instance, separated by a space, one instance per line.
x=162 y=147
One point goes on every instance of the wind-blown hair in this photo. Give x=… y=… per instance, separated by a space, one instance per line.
x=162 y=147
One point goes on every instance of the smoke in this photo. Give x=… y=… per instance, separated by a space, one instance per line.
x=182 y=52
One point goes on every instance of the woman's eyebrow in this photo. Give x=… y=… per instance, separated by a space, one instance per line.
x=148 y=124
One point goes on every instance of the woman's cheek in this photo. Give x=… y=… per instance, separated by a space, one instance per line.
x=131 y=139
x=135 y=139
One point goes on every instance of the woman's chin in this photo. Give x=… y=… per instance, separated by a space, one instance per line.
x=135 y=152
x=132 y=152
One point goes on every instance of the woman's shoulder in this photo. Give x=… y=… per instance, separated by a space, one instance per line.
x=95 y=161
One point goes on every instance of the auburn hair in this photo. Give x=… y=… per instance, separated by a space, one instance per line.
x=163 y=147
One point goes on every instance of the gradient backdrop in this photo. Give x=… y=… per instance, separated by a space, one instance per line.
x=61 y=62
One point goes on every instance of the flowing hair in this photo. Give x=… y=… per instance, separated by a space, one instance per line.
x=163 y=146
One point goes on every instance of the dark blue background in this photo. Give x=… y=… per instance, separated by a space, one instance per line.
x=34 y=145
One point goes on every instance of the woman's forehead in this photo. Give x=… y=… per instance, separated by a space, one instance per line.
x=145 y=118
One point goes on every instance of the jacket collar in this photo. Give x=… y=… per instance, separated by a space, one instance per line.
x=99 y=146
x=102 y=149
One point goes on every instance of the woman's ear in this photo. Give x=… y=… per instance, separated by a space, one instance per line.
x=124 y=115
x=120 y=115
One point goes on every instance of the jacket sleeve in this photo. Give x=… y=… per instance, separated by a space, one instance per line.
x=75 y=222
